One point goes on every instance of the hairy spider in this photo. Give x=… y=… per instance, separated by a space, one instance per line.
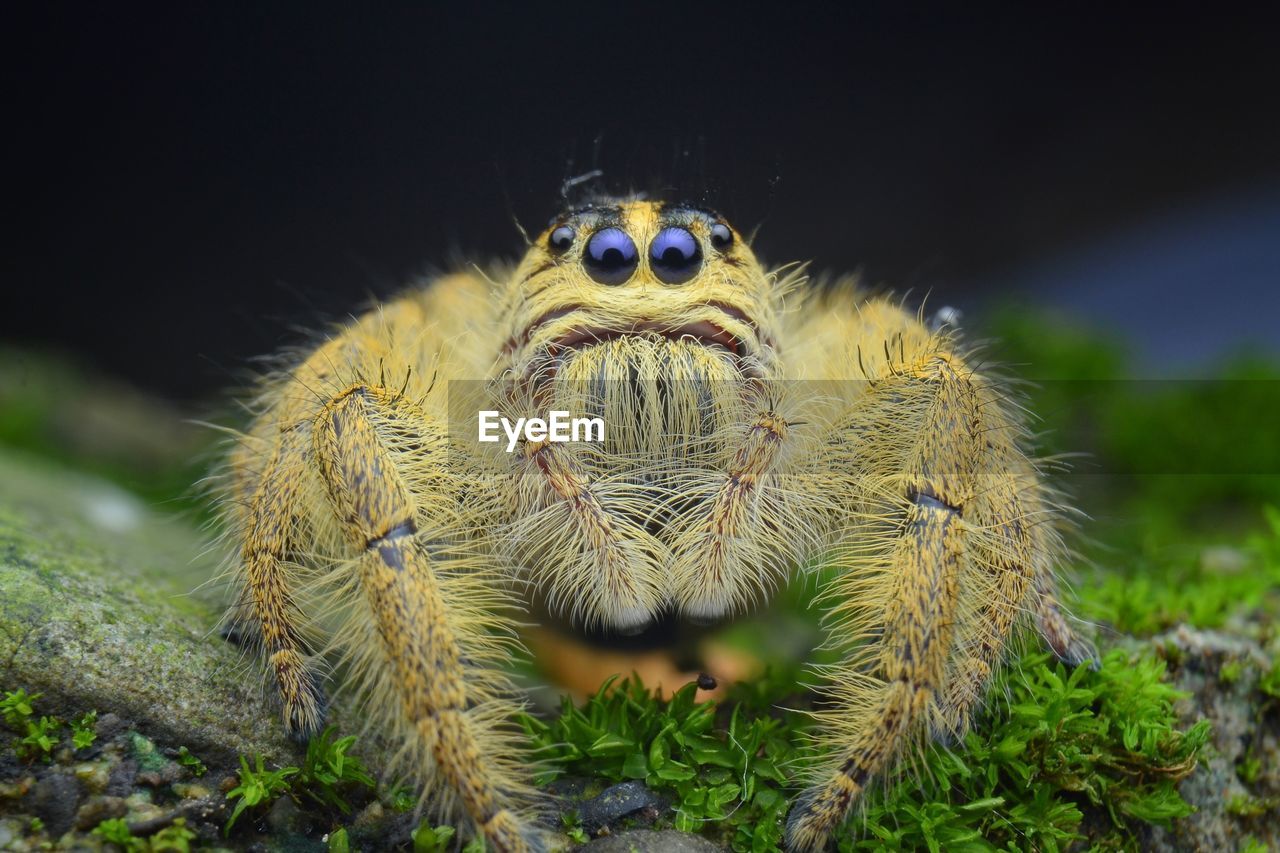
x=752 y=425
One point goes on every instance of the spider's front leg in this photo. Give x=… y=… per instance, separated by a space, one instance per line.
x=921 y=568
x=439 y=636
x=944 y=592
x=362 y=480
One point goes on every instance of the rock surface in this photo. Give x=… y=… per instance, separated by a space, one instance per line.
x=649 y=841
x=104 y=606
x=1220 y=673
x=101 y=611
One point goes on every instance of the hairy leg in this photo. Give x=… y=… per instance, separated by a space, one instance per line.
x=919 y=571
x=603 y=570
x=329 y=459
x=1014 y=547
x=950 y=546
x=437 y=663
x=268 y=582
x=720 y=565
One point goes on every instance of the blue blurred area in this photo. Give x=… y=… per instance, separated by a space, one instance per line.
x=1183 y=289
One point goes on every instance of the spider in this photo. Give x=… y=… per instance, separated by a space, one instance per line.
x=753 y=425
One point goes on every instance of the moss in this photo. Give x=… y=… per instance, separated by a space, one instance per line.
x=1058 y=745
x=144 y=752
x=1155 y=591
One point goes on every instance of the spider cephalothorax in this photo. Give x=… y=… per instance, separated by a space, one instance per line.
x=750 y=427
x=672 y=278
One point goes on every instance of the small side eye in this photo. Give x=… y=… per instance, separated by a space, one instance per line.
x=611 y=256
x=721 y=236
x=675 y=255
x=561 y=238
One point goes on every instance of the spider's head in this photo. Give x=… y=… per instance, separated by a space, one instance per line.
x=634 y=276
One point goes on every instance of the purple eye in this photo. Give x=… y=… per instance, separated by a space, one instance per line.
x=561 y=238
x=611 y=256
x=675 y=255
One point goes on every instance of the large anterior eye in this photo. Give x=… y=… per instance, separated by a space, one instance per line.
x=675 y=255
x=611 y=256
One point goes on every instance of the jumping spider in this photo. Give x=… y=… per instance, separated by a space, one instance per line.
x=753 y=425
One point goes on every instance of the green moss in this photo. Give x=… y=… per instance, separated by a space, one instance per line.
x=189 y=761
x=1065 y=742
x=1059 y=744
x=258 y=787
x=432 y=839
x=329 y=772
x=41 y=737
x=339 y=842
x=84 y=730
x=145 y=753
x=731 y=777
x=116 y=831
x=1153 y=593
x=175 y=838
x=16 y=708
x=326 y=779
x=35 y=737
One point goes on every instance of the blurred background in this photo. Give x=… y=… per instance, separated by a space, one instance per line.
x=1097 y=188
x=188 y=183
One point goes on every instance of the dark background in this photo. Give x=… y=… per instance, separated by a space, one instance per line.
x=187 y=185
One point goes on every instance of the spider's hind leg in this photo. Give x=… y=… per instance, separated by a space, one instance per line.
x=1054 y=626
x=268 y=613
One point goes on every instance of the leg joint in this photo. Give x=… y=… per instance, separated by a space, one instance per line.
x=405 y=528
x=926 y=495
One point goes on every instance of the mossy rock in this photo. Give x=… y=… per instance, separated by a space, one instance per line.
x=103 y=610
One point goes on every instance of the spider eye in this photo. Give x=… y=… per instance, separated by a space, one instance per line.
x=561 y=238
x=611 y=256
x=721 y=236
x=675 y=255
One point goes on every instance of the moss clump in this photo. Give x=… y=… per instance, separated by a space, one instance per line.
x=37 y=737
x=329 y=779
x=1058 y=744
x=175 y=838
x=731 y=779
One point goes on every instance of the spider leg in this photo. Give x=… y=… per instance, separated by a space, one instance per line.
x=719 y=564
x=268 y=584
x=432 y=658
x=922 y=566
x=1009 y=543
x=1056 y=630
x=1013 y=548
x=605 y=570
